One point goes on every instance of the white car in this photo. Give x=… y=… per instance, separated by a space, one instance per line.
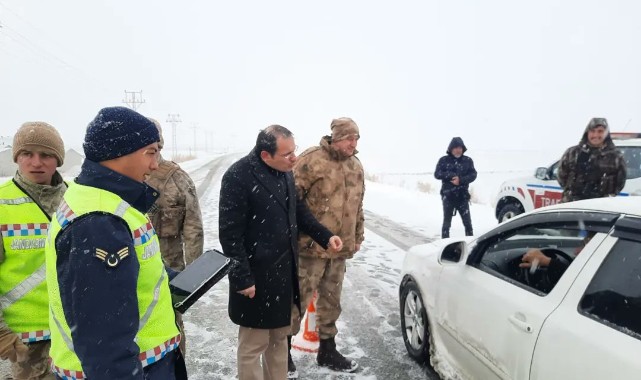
x=469 y=308
x=520 y=195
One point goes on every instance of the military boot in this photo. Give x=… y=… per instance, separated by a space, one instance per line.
x=332 y=359
x=292 y=373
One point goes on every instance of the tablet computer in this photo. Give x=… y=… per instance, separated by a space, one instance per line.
x=197 y=278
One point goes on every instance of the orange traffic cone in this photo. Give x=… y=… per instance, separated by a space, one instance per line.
x=311 y=332
x=308 y=339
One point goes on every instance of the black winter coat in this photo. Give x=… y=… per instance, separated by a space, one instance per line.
x=449 y=166
x=258 y=230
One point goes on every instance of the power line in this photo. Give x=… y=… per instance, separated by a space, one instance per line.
x=174 y=119
x=131 y=101
x=38 y=51
x=194 y=126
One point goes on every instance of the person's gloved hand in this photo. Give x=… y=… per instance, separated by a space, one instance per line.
x=11 y=347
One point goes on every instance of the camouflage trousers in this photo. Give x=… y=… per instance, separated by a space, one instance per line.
x=37 y=366
x=171 y=250
x=326 y=277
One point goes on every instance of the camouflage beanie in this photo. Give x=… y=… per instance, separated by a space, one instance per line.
x=343 y=127
x=39 y=136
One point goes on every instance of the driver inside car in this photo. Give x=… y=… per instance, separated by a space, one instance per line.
x=535 y=258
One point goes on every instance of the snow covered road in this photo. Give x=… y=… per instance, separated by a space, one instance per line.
x=369 y=327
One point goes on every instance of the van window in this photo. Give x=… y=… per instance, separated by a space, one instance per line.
x=614 y=295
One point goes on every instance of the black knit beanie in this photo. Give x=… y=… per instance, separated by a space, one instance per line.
x=116 y=132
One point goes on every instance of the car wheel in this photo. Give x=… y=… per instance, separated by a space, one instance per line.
x=509 y=211
x=414 y=323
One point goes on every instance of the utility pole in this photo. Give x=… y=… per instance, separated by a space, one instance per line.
x=133 y=99
x=208 y=141
x=194 y=126
x=174 y=119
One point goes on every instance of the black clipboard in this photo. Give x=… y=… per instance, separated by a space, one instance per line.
x=190 y=284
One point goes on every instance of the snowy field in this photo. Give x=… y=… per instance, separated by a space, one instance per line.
x=369 y=327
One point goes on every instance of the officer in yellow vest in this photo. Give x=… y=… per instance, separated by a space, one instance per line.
x=27 y=203
x=111 y=313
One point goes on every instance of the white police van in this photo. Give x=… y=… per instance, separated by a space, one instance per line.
x=520 y=195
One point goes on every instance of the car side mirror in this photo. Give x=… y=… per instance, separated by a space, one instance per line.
x=541 y=173
x=453 y=252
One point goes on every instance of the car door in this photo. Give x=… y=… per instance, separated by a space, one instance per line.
x=546 y=192
x=489 y=319
x=596 y=332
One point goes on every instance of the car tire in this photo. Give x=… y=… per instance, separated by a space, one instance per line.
x=509 y=211
x=414 y=323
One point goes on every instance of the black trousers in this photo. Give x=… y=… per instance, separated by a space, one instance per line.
x=450 y=206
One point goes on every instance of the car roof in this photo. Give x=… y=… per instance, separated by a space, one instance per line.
x=627 y=142
x=622 y=205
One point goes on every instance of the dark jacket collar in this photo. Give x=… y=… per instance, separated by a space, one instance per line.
x=140 y=195
x=254 y=158
x=269 y=176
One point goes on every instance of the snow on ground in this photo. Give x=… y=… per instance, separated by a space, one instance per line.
x=422 y=211
x=369 y=327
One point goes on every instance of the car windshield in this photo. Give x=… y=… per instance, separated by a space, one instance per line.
x=632 y=155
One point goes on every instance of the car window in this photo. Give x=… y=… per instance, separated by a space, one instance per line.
x=502 y=255
x=614 y=294
x=632 y=156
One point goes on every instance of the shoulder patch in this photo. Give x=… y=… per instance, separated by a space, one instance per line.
x=112 y=260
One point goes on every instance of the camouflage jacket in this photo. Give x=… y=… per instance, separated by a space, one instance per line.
x=333 y=187
x=587 y=172
x=176 y=215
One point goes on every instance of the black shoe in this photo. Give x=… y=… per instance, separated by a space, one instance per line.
x=292 y=373
x=332 y=359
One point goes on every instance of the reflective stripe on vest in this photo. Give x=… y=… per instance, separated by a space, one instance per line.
x=23 y=288
x=143 y=321
x=23 y=291
x=16 y=201
x=156 y=314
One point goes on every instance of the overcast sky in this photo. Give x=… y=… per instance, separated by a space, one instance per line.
x=501 y=74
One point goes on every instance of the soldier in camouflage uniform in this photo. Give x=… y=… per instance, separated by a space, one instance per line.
x=594 y=168
x=176 y=214
x=176 y=218
x=330 y=179
x=33 y=195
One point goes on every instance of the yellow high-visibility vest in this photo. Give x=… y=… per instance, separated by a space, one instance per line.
x=157 y=334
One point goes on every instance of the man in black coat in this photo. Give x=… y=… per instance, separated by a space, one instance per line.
x=259 y=217
x=456 y=172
